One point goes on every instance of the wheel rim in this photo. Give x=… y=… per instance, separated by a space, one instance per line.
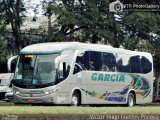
x=74 y=100
x=130 y=101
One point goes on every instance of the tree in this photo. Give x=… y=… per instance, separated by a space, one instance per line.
x=90 y=19
x=2 y=38
x=13 y=11
x=140 y=26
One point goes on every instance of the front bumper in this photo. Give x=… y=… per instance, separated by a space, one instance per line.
x=9 y=96
x=47 y=99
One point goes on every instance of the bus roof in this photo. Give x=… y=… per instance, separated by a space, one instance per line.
x=57 y=47
x=45 y=48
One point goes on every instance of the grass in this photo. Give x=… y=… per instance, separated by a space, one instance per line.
x=6 y=110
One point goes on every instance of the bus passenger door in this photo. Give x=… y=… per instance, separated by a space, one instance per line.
x=80 y=77
x=63 y=70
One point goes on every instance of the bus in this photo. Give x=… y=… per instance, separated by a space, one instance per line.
x=82 y=73
x=5 y=85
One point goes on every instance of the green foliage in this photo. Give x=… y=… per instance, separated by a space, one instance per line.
x=140 y=24
x=89 y=18
x=2 y=38
x=3 y=49
x=92 y=22
x=13 y=13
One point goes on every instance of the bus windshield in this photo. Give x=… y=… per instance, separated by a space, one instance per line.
x=35 y=69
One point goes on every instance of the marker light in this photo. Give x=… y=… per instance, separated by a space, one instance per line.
x=28 y=56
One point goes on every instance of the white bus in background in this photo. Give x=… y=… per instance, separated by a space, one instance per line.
x=5 y=85
x=6 y=92
x=78 y=73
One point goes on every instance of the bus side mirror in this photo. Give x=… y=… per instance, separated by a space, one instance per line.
x=9 y=62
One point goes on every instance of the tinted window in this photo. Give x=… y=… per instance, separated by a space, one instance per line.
x=109 y=62
x=85 y=61
x=95 y=62
x=103 y=61
x=135 y=64
x=146 y=65
x=82 y=62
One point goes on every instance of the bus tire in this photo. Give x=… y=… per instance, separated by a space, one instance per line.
x=131 y=100
x=75 y=101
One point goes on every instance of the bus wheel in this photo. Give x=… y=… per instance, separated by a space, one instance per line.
x=131 y=100
x=75 y=99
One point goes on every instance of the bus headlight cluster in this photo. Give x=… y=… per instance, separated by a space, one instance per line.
x=54 y=90
x=51 y=91
x=16 y=92
x=46 y=92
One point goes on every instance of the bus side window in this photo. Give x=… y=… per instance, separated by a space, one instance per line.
x=122 y=63
x=146 y=65
x=95 y=62
x=109 y=62
x=82 y=63
x=135 y=64
x=78 y=65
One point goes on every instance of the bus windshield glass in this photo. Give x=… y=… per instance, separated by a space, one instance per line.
x=35 y=69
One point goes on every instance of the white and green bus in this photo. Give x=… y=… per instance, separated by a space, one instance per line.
x=81 y=73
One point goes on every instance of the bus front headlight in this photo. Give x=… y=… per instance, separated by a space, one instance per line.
x=46 y=92
x=16 y=92
x=51 y=91
x=54 y=90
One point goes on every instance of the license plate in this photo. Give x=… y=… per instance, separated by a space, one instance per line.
x=31 y=101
